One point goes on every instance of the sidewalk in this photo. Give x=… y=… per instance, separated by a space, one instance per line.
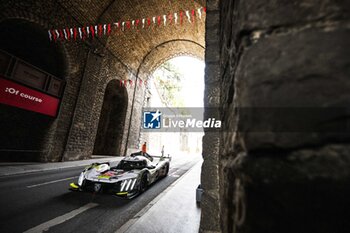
x=14 y=168
x=173 y=211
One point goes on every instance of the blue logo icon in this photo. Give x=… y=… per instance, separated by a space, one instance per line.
x=152 y=120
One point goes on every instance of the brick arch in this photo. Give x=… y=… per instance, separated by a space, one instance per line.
x=159 y=54
x=167 y=50
x=62 y=50
x=134 y=45
x=33 y=146
x=129 y=96
x=110 y=131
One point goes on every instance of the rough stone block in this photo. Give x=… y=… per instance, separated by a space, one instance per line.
x=212 y=20
x=210 y=175
x=259 y=14
x=212 y=96
x=212 y=36
x=212 y=73
x=212 y=53
x=284 y=80
x=213 y=4
x=307 y=191
x=210 y=220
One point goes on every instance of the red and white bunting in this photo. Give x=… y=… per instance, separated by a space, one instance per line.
x=100 y=30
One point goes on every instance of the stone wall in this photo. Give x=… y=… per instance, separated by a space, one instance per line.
x=90 y=64
x=74 y=54
x=210 y=205
x=88 y=69
x=276 y=174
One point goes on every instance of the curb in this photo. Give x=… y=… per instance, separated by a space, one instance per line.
x=65 y=166
x=126 y=226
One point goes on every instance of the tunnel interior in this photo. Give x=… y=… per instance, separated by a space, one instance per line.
x=24 y=133
x=111 y=125
x=29 y=42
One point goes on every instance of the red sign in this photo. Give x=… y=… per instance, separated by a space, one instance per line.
x=20 y=96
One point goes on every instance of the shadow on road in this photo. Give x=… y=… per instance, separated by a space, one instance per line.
x=81 y=198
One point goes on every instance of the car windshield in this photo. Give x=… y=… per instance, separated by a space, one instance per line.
x=130 y=165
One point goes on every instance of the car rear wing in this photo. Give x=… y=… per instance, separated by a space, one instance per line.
x=161 y=158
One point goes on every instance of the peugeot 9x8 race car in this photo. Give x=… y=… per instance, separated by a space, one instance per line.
x=129 y=178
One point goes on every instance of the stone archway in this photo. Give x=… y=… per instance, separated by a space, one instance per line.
x=167 y=50
x=149 y=63
x=111 y=125
x=25 y=134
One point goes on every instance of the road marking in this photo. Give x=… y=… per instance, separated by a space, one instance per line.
x=53 y=222
x=124 y=228
x=51 y=182
x=173 y=171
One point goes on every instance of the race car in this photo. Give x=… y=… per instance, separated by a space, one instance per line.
x=130 y=177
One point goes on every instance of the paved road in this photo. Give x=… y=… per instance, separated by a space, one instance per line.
x=42 y=201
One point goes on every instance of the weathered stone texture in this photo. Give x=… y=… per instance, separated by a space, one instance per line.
x=279 y=174
x=210 y=218
x=266 y=14
x=210 y=179
x=91 y=64
x=316 y=77
x=159 y=54
x=305 y=191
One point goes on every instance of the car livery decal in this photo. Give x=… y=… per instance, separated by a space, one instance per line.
x=109 y=174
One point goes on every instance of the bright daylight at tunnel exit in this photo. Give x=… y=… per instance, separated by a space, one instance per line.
x=174 y=116
x=175 y=90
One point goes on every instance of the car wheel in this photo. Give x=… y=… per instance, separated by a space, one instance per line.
x=166 y=169
x=82 y=187
x=144 y=182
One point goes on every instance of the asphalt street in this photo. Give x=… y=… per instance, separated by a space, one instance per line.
x=42 y=202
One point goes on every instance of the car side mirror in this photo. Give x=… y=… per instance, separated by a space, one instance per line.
x=151 y=167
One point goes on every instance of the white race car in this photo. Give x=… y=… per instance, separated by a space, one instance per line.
x=129 y=178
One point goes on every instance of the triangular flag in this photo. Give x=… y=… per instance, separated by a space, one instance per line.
x=80 y=33
x=200 y=12
x=109 y=29
x=164 y=20
x=61 y=34
x=75 y=33
x=188 y=16
x=104 y=29
x=92 y=31
x=175 y=17
x=50 y=36
x=170 y=18
x=100 y=29
x=87 y=31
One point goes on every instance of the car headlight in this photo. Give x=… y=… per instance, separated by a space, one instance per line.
x=102 y=168
x=81 y=179
x=127 y=185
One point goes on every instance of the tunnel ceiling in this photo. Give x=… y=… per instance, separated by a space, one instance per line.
x=133 y=46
